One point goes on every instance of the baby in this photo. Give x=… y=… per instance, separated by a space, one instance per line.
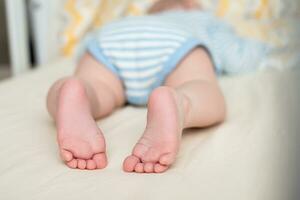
x=168 y=60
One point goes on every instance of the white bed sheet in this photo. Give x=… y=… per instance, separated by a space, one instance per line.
x=244 y=158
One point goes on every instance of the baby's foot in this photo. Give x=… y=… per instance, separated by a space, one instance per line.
x=80 y=141
x=158 y=147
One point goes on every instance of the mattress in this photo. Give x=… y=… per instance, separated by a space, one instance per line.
x=250 y=156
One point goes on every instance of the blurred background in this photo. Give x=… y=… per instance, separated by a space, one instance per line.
x=4 y=54
x=36 y=32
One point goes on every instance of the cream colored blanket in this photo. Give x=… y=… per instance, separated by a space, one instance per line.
x=241 y=159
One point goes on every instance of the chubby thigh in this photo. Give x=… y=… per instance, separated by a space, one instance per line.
x=196 y=65
x=107 y=85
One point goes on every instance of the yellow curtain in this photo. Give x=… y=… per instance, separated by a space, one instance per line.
x=247 y=16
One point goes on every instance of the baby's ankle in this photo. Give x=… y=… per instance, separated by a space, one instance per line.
x=184 y=106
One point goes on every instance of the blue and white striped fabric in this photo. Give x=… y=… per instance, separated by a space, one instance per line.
x=142 y=51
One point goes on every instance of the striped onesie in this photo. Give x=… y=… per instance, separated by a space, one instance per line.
x=143 y=51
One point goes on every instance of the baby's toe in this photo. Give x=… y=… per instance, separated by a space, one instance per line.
x=149 y=167
x=100 y=160
x=139 y=168
x=81 y=164
x=140 y=150
x=66 y=155
x=167 y=159
x=151 y=156
x=158 y=168
x=91 y=165
x=130 y=163
x=72 y=164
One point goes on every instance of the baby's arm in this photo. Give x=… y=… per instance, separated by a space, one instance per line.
x=164 y=5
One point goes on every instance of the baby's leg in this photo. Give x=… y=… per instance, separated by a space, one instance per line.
x=74 y=102
x=191 y=97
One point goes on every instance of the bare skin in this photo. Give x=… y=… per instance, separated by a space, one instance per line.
x=190 y=97
x=75 y=103
x=176 y=106
x=163 y=5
